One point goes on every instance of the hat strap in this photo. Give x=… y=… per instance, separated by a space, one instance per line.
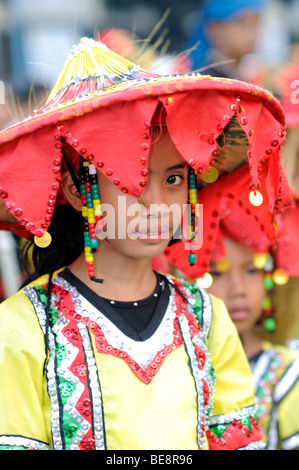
x=71 y=170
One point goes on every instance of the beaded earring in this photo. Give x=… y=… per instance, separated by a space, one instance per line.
x=192 y=213
x=268 y=320
x=91 y=212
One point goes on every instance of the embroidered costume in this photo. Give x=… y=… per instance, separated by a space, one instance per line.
x=103 y=390
x=276 y=374
x=72 y=377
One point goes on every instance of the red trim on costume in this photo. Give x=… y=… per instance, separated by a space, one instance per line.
x=78 y=367
x=235 y=436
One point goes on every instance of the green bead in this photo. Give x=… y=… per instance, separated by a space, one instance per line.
x=268 y=283
x=270 y=324
x=94 y=243
x=192 y=259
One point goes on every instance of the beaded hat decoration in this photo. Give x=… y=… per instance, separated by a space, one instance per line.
x=103 y=104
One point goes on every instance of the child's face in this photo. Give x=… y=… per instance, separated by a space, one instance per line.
x=146 y=226
x=240 y=285
x=237 y=37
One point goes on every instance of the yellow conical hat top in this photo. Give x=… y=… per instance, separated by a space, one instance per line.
x=91 y=66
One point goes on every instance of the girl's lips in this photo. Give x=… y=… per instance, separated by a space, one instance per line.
x=239 y=314
x=152 y=235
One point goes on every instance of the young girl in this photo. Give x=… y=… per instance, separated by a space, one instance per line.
x=243 y=278
x=115 y=355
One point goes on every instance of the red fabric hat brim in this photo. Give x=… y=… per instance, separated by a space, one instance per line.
x=110 y=128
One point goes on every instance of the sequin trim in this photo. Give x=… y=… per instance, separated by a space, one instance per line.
x=203 y=395
x=234 y=415
x=22 y=443
x=259 y=445
x=95 y=389
x=291 y=443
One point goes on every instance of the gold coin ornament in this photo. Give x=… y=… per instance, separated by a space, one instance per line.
x=280 y=277
x=211 y=175
x=256 y=198
x=205 y=282
x=43 y=241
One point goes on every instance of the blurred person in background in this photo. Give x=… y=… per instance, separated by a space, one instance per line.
x=260 y=291
x=224 y=33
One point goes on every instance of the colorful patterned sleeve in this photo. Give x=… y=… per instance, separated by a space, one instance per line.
x=24 y=401
x=232 y=424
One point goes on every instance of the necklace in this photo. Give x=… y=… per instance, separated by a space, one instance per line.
x=155 y=294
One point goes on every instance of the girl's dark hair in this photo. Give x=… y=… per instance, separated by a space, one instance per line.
x=67 y=244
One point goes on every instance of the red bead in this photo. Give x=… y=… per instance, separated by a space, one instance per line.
x=4 y=194
x=10 y=205
x=18 y=212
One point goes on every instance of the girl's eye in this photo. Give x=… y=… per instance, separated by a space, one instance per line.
x=252 y=271
x=215 y=274
x=175 y=179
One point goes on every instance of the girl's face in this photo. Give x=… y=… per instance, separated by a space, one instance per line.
x=240 y=285
x=143 y=229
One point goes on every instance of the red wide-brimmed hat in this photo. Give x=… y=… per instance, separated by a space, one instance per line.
x=103 y=106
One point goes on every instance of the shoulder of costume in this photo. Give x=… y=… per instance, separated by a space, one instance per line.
x=198 y=299
x=289 y=355
x=40 y=282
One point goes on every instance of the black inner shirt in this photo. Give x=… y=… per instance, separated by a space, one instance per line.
x=138 y=320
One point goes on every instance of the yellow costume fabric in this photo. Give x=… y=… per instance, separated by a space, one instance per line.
x=188 y=386
x=276 y=375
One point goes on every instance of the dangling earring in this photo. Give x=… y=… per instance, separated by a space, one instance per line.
x=91 y=212
x=192 y=213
